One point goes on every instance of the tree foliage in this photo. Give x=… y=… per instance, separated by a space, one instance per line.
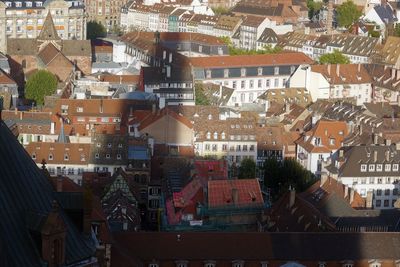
x=234 y=51
x=279 y=176
x=347 y=14
x=200 y=97
x=95 y=30
x=336 y=57
x=397 y=30
x=42 y=83
x=247 y=169
x=220 y=10
x=313 y=8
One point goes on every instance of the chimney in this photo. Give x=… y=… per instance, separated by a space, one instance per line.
x=375 y=139
x=1 y=105
x=329 y=69
x=346 y=191
x=52 y=126
x=359 y=67
x=235 y=196
x=387 y=155
x=351 y=195
x=101 y=105
x=324 y=178
x=59 y=186
x=338 y=70
x=220 y=91
x=292 y=198
x=21 y=115
x=375 y=155
x=368 y=202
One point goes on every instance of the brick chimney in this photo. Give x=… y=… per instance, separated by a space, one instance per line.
x=59 y=183
x=292 y=197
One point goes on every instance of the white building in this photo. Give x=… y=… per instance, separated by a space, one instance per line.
x=373 y=171
x=317 y=144
x=340 y=81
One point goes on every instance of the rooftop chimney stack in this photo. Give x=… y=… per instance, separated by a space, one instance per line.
x=359 y=67
x=329 y=69
x=338 y=70
x=292 y=198
x=375 y=155
x=59 y=186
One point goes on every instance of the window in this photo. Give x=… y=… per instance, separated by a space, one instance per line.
x=276 y=71
x=153 y=265
x=209 y=264
x=267 y=83
x=251 y=147
x=251 y=83
x=259 y=83
x=387 y=192
x=109 y=145
x=83 y=158
x=79 y=109
x=234 y=84
x=118 y=156
x=378 y=203
x=387 y=167
x=66 y=157
x=332 y=141
x=33 y=156
x=242 y=72
x=208 y=136
x=244 y=147
x=378 y=192
x=363 y=167
x=276 y=82
x=222 y=135
x=395 y=192
x=50 y=156
x=348 y=265
x=119 y=145
x=215 y=135
x=207 y=147
x=214 y=147
x=386 y=203
x=237 y=264
x=371 y=167
x=378 y=167
x=208 y=74
x=242 y=97
x=242 y=84
x=97 y=156
x=238 y=148
x=379 y=180
x=395 y=167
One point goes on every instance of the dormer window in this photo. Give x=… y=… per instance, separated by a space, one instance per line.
x=222 y=135
x=98 y=145
x=209 y=264
x=215 y=135
x=34 y=156
x=109 y=145
x=66 y=157
x=119 y=145
x=108 y=156
x=79 y=109
x=226 y=73
x=50 y=156
x=28 y=4
x=374 y=264
x=387 y=167
x=259 y=72
x=242 y=72
x=276 y=71
x=18 y=4
x=237 y=264
x=97 y=156
x=363 y=167
x=395 y=167
x=8 y=4
x=208 y=74
x=348 y=265
x=153 y=265
x=371 y=167
x=118 y=156
x=209 y=117
x=378 y=167
x=264 y=264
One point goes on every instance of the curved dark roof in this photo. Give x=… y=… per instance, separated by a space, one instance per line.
x=24 y=191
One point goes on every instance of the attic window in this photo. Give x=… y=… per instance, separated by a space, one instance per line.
x=98 y=145
x=50 y=156
x=97 y=156
x=66 y=157
x=108 y=156
x=363 y=167
x=119 y=145
x=109 y=145
x=118 y=156
x=33 y=156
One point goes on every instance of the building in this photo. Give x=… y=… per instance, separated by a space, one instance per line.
x=256 y=249
x=249 y=76
x=383 y=16
x=316 y=145
x=49 y=233
x=371 y=171
x=25 y=19
x=340 y=81
x=390 y=53
x=107 y=13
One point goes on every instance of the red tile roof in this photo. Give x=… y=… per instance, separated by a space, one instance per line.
x=221 y=193
x=343 y=73
x=292 y=58
x=130 y=79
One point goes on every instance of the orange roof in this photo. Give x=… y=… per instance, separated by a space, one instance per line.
x=120 y=78
x=330 y=134
x=343 y=73
x=221 y=193
x=251 y=60
x=153 y=117
x=5 y=78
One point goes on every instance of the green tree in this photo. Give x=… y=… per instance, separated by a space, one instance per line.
x=200 y=98
x=220 y=10
x=397 y=30
x=39 y=85
x=347 y=14
x=313 y=8
x=336 y=57
x=247 y=169
x=279 y=176
x=95 y=30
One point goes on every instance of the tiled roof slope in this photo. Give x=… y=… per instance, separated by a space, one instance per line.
x=343 y=73
x=24 y=188
x=250 y=60
x=260 y=246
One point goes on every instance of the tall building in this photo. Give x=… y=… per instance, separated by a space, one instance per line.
x=25 y=18
x=106 y=12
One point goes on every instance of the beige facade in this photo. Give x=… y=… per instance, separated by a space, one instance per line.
x=107 y=13
x=26 y=21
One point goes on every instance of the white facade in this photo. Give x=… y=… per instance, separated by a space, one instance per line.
x=311 y=161
x=320 y=88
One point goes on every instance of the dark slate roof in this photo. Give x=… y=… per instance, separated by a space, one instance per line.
x=23 y=190
x=386 y=14
x=48 y=31
x=268 y=36
x=260 y=246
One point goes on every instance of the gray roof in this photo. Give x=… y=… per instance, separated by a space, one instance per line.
x=365 y=155
x=385 y=12
x=268 y=36
x=24 y=190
